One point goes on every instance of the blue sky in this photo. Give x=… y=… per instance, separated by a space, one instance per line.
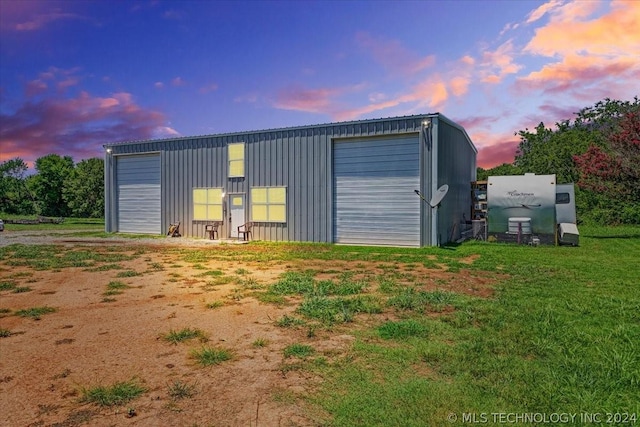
x=77 y=74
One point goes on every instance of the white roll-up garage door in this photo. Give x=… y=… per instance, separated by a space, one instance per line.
x=138 y=182
x=373 y=188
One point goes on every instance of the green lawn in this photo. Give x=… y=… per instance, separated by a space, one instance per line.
x=85 y=224
x=561 y=335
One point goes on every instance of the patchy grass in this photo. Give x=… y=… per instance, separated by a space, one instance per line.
x=5 y=333
x=8 y=286
x=115 y=288
x=559 y=333
x=287 y=321
x=116 y=394
x=180 y=390
x=36 y=312
x=56 y=257
x=210 y=273
x=185 y=334
x=215 y=304
x=300 y=351
x=208 y=356
x=128 y=273
x=260 y=342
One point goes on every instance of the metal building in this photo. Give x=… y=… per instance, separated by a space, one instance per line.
x=348 y=182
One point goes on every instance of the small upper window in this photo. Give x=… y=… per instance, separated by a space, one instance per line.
x=562 y=198
x=236 y=160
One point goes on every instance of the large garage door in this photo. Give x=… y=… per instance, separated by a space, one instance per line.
x=373 y=187
x=138 y=182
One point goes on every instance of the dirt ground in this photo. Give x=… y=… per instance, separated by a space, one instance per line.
x=92 y=339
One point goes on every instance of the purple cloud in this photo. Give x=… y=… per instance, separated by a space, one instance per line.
x=76 y=126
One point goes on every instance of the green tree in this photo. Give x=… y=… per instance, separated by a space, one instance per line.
x=612 y=173
x=547 y=151
x=500 y=170
x=47 y=185
x=15 y=197
x=573 y=146
x=83 y=190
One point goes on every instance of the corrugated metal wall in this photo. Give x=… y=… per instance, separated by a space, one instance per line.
x=299 y=159
x=138 y=194
x=373 y=191
x=456 y=168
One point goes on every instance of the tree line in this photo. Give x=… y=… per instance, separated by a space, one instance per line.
x=58 y=188
x=599 y=151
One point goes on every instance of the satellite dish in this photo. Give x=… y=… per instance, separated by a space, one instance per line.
x=438 y=196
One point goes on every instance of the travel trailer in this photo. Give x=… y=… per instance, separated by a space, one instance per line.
x=531 y=209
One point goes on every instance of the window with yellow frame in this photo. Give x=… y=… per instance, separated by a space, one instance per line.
x=235 y=154
x=269 y=204
x=207 y=204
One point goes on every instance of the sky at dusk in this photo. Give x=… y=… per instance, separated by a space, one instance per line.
x=75 y=75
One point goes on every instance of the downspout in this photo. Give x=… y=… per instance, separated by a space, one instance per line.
x=425 y=160
x=434 y=180
x=107 y=189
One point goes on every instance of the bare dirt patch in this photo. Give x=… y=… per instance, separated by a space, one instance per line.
x=101 y=334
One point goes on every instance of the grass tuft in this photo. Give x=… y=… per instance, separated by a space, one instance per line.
x=287 y=321
x=116 y=394
x=8 y=286
x=300 y=351
x=260 y=342
x=175 y=337
x=180 y=390
x=208 y=356
x=128 y=273
x=35 y=312
x=215 y=304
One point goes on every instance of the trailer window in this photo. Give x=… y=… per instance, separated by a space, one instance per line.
x=562 y=198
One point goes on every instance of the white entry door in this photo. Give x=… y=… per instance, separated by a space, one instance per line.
x=236 y=202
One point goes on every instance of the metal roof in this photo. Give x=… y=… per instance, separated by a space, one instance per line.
x=291 y=128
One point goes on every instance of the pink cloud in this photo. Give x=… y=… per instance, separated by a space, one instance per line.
x=178 y=81
x=309 y=100
x=467 y=60
x=495 y=65
x=209 y=88
x=459 y=85
x=431 y=93
x=478 y=122
x=542 y=10
x=35 y=87
x=38 y=21
x=76 y=126
x=557 y=113
x=615 y=33
x=497 y=153
x=68 y=82
x=393 y=55
x=576 y=71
